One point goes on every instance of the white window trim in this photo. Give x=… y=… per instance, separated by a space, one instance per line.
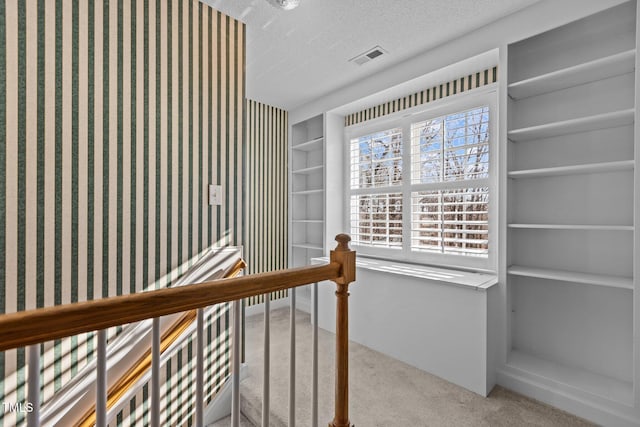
x=486 y=95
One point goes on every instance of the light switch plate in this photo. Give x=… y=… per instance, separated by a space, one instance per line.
x=215 y=195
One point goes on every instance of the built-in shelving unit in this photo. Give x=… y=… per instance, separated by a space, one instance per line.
x=306 y=245
x=307 y=195
x=307 y=192
x=586 y=227
x=312 y=145
x=570 y=226
x=602 y=68
x=572 y=276
x=574 y=169
x=580 y=124
x=308 y=171
x=567 y=377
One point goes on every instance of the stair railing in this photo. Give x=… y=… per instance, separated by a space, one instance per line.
x=32 y=327
x=144 y=363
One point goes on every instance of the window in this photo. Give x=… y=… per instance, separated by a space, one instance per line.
x=421 y=185
x=376 y=162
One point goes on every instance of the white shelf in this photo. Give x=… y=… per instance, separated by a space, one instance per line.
x=581 y=124
x=308 y=192
x=308 y=245
x=602 y=68
x=570 y=327
x=314 y=144
x=573 y=227
x=574 y=169
x=572 y=276
x=307 y=171
x=574 y=377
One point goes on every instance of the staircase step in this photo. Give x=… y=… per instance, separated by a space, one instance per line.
x=226 y=422
x=251 y=407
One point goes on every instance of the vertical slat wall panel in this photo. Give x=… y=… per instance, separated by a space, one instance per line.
x=266 y=195
x=115 y=115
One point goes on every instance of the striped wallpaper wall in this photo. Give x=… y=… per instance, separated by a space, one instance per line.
x=453 y=87
x=114 y=117
x=267 y=228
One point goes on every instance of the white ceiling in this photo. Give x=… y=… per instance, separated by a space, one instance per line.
x=294 y=57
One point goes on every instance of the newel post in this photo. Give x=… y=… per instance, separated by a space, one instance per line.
x=347 y=259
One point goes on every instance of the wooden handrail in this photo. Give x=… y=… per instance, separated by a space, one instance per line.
x=45 y=324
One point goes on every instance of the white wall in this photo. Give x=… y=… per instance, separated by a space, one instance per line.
x=439 y=328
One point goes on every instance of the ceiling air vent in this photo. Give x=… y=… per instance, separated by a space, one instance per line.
x=368 y=55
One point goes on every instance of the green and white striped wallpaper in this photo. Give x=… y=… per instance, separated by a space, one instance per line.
x=115 y=115
x=453 y=87
x=267 y=226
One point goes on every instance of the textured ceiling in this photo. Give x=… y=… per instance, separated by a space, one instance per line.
x=294 y=57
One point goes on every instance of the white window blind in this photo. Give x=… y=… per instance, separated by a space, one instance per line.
x=451 y=149
x=376 y=220
x=376 y=163
x=438 y=205
x=376 y=159
x=451 y=221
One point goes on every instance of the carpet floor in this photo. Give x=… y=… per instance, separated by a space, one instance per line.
x=383 y=392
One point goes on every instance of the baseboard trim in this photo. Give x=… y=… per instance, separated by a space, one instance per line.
x=589 y=409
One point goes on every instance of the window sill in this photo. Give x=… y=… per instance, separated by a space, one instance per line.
x=445 y=276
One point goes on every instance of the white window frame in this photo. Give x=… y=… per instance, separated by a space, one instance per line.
x=485 y=96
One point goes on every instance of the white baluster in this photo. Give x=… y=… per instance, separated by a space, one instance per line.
x=267 y=362
x=314 y=362
x=33 y=390
x=292 y=359
x=200 y=369
x=235 y=365
x=155 y=373
x=101 y=380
